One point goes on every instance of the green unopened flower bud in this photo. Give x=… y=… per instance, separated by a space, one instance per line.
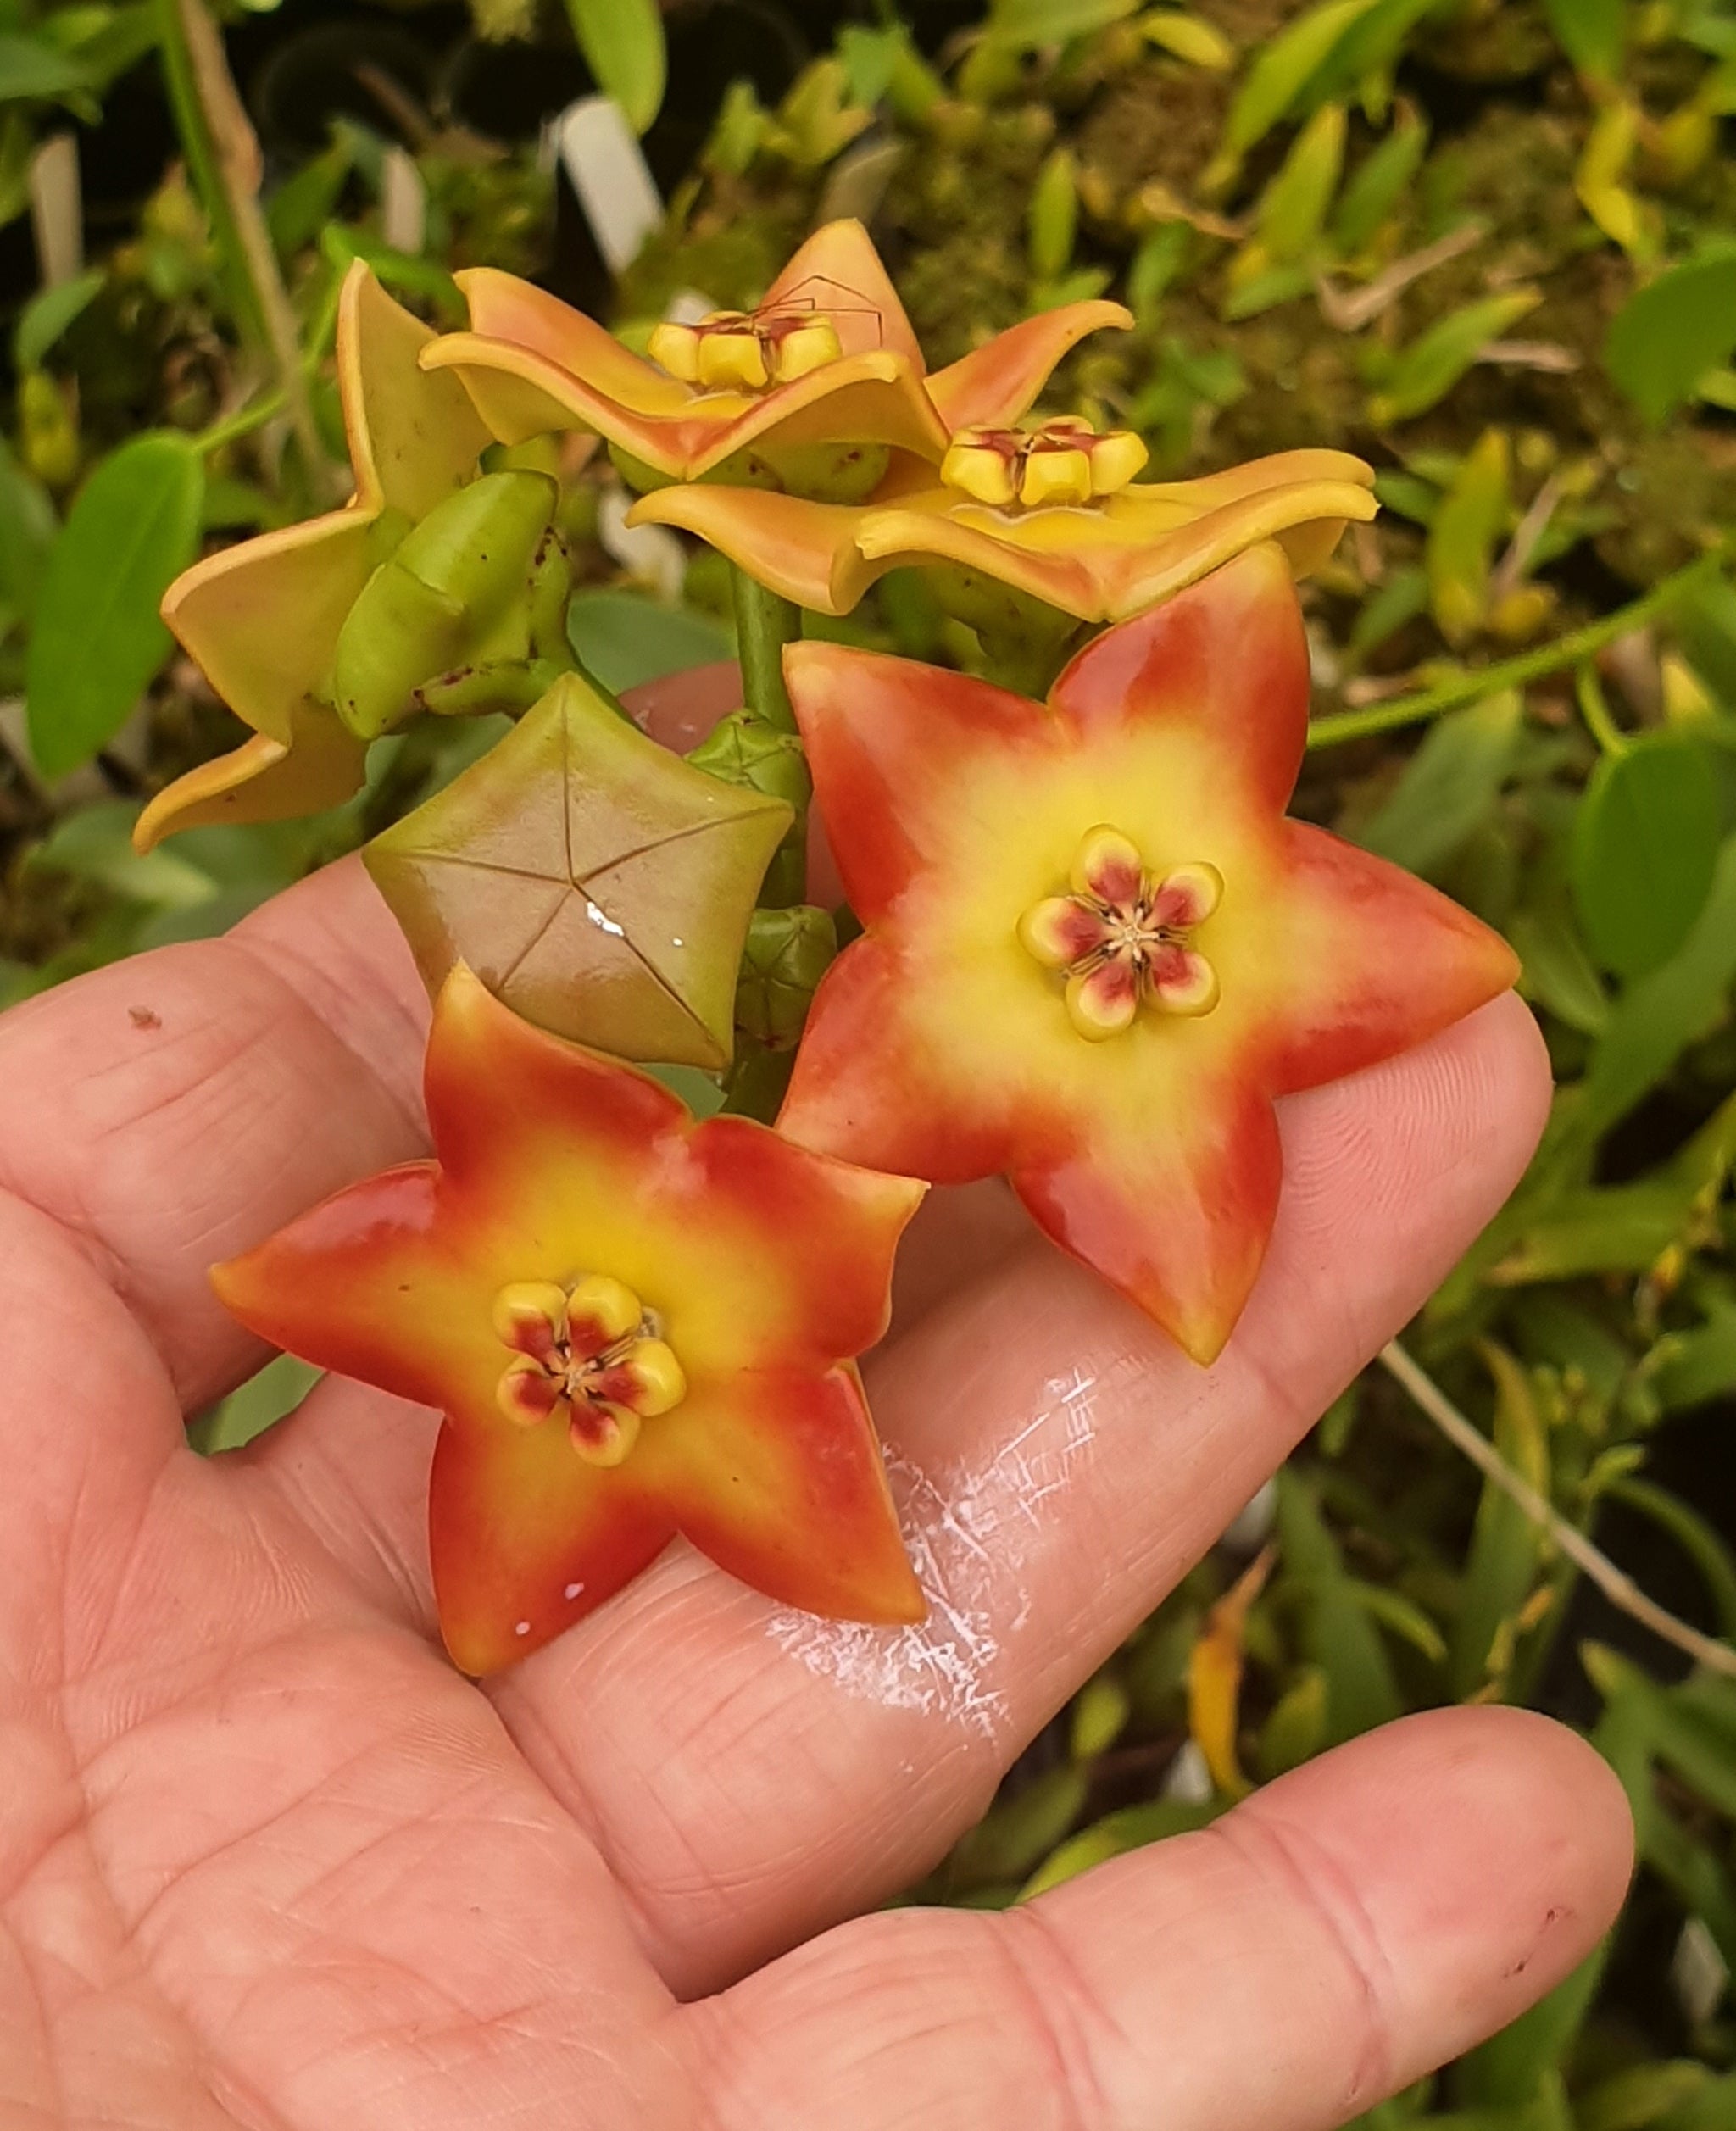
x=744 y=749
x=399 y=633
x=477 y=546
x=457 y=596
x=830 y=473
x=786 y=954
x=539 y=455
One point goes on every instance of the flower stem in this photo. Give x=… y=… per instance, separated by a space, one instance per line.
x=1571 y=650
x=242 y=423
x=764 y=624
x=1595 y=709
x=1615 y=1585
x=223 y=155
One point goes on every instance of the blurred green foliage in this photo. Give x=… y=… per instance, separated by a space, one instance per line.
x=1489 y=243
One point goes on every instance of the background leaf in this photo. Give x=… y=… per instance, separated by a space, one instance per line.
x=133 y=528
x=622 y=41
x=1670 y=333
x=1449 y=786
x=1593 y=33
x=1646 y=842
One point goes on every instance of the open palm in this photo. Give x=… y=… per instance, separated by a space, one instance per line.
x=266 y=1861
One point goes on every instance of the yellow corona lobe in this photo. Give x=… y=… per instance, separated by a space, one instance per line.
x=1116 y=457
x=676 y=348
x=805 y=348
x=1055 y=477
x=1124 y=936
x=586 y=1352
x=1062 y=464
x=744 y=351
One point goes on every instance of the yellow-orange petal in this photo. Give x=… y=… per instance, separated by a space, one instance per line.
x=777 y=1476
x=367 y=1284
x=504 y=308
x=804 y=551
x=413 y=437
x=1390 y=960
x=838 y=271
x=1305 y=518
x=1228 y=658
x=262 y=780
x=997 y=382
x=261 y=619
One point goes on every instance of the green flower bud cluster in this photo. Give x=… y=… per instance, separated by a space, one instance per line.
x=786 y=954
x=746 y=749
x=466 y=612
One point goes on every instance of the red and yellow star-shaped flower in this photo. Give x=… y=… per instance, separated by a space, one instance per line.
x=633 y=1325
x=1096 y=950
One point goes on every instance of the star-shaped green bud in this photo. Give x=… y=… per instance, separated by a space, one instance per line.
x=598 y=885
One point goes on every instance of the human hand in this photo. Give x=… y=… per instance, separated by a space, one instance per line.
x=267 y=1862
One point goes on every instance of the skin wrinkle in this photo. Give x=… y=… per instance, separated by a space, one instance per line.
x=1048 y=1979
x=1275 y=1850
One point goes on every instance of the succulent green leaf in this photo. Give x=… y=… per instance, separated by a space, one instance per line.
x=1558 y=973
x=48 y=314
x=625 y=639
x=1646 y=845
x=1294 y=207
x=1380 y=182
x=1593 y=33
x=597 y=884
x=623 y=44
x=133 y=528
x=1054 y=214
x=1469 y=520
x=1028 y=26
x=1338 y=1635
x=1670 y=333
x=1284 y=68
x=27 y=529
x=1428 y=368
x=31 y=67
x=1661 y=1013
x=1503 y=1564
x=1449 y=786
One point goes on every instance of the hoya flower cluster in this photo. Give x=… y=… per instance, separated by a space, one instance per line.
x=1089 y=949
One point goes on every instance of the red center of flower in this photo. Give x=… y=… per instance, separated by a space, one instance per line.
x=589 y=1352
x=1124 y=936
x=746 y=351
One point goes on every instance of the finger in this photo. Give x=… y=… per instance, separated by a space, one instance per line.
x=1344 y=1931
x=754 y=1774
x=171 y=1109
